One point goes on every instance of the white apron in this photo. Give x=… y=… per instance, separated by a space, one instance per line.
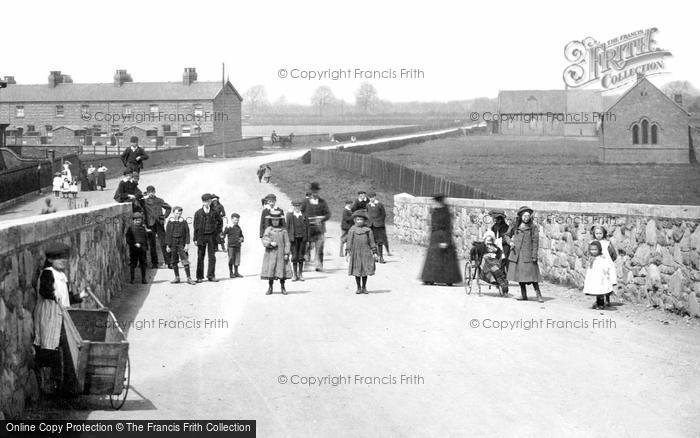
x=48 y=317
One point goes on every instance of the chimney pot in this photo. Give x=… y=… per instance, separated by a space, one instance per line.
x=189 y=76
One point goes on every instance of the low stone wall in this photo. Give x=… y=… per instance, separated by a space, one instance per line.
x=157 y=158
x=659 y=245
x=233 y=147
x=98 y=260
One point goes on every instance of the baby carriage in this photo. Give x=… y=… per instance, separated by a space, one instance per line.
x=484 y=264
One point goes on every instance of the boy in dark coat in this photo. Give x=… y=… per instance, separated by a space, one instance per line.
x=269 y=206
x=500 y=229
x=207 y=223
x=128 y=190
x=177 y=240
x=234 y=235
x=138 y=244
x=156 y=210
x=219 y=208
x=345 y=223
x=376 y=214
x=317 y=212
x=298 y=230
x=134 y=155
x=361 y=201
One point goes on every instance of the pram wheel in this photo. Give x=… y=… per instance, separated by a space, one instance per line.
x=471 y=272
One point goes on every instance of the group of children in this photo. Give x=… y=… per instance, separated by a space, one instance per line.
x=63 y=187
x=601 y=276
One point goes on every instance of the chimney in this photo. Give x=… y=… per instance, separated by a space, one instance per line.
x=677 y=97
x=120 y=77
x=66 y=79
x=189 y=76
x=10 y=80
x=55 y=78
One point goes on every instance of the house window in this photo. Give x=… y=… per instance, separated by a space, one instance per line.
x=114 y=129
x=96 y=129
x=84 y=109
x=20 y=111
x=166 y=128
x=654 y=134
x=126 y=110
x=154 y=109
x=186 y=131
x=645 y=132
x=151 y=133
x=635 y=134
x=48 y=128
x=59 y=111
x=198 y=110
x=30 y=128
x=197 y=130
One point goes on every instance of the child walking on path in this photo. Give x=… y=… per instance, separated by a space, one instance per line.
x=600 y=234
x=361 y=251
x=598 y=275
x=276 y=265
x=234 y=237
x=138 y=244
x=177 y=240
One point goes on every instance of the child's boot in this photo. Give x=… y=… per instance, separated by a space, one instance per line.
x=300 y=271
x=235 y=272
x=284 y=290
x=523 y=293
x=537 y=291
x=131 y=274
x=295 y=268
x=177 y=275
x=230 y=271
x=380 y=250
x=143 y=275
x=189 y=277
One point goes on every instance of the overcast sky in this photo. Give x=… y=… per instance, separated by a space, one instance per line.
x=465 y=49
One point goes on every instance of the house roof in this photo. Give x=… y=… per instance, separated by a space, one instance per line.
x=108 y=92
x=639 y=82
x=555 y=101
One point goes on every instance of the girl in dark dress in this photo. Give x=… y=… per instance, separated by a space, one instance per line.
x=523 y=238
x=441 y=264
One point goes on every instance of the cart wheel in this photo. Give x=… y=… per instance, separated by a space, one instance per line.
x=117 y=401
x=468 y=277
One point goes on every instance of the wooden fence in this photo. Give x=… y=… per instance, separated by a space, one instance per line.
x=396 y=176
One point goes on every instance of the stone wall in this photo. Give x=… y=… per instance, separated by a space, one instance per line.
x=98 y=260
x=659 y=245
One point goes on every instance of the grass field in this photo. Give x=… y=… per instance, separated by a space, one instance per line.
x=266 y=130
x=293 y=178
x=554 y=169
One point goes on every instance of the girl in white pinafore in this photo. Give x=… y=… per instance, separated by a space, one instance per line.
x=600 y=234
x=600 y=270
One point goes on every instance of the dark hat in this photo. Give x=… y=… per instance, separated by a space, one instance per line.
x=360 y=213
x=360 y=192
x=372 y=194
x=524 y=209
x=235 y=215
x=275 y=214
x=134 y=139
x=497 y=213
x=438 y=197
x=271 y=196
x=137 y=215
x=213 y=196
x=127 y=172
x=57 y=250
x=150 y=189
x=206 y=197
x=297 y=202
x=314 y=186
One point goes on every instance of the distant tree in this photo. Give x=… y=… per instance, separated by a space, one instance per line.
x=366 y=97
x=322 y=97
x=255 y=98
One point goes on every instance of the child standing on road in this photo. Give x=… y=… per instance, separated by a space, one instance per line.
x=598 y=274
x=177 y=240
x=275 y=239
x=600 y=234
x=298 y=230
x=361 y=251
x=234 y=236
x=138 y=244
x=57 y=183
x=345 y=224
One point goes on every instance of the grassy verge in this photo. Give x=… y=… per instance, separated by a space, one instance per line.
x=544 y=169
x=293 y=177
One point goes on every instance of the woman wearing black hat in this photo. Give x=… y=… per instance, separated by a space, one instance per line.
x=523 y=238
x=53 y=296
x=500 y=230
x=441 y=264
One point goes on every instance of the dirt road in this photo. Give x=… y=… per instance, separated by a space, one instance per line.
x=607 y=374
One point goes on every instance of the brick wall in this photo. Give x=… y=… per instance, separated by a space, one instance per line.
x=98 y=260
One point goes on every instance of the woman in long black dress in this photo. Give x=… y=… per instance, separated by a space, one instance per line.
x=441 y=264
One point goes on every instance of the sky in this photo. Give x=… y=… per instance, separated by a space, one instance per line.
x=464 y=49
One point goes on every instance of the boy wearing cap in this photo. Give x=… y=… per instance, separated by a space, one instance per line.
x=361 y=201
x=207 y=224
x=269 y=206
x=346 y=222
x=134 y=155
x=156 y=210
x=376 y=215
x=219 y=208
x=138 y=244
x=177 y=240
x=127 y=190
x=234 y=235
x=298 y=230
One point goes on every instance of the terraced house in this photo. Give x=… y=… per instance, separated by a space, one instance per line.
x=61 y=112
